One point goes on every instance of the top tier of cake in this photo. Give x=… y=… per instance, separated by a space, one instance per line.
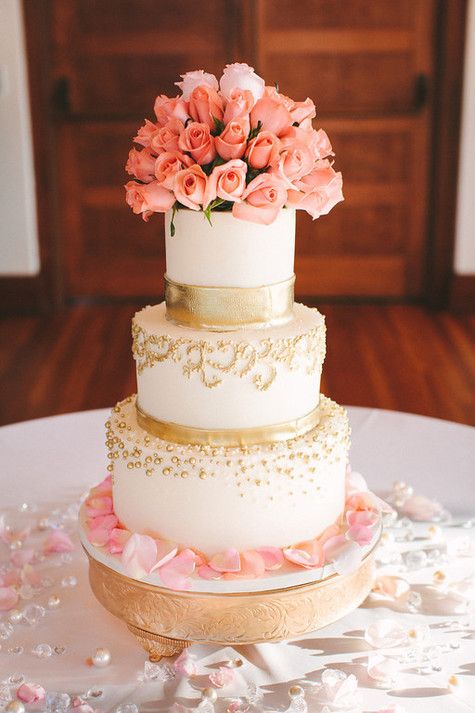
x=229 y=252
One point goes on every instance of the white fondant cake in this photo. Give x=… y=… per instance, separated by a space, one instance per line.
x=229 y=252
x=239 y=379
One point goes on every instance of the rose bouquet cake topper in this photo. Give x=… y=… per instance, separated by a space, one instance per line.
x=235 y=145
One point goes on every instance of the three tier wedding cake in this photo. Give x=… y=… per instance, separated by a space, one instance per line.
x=229 y=464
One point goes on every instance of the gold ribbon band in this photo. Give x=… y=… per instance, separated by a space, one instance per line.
x=232 y=437
x=228 y=308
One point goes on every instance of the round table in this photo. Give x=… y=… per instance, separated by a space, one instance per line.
x=49 y=463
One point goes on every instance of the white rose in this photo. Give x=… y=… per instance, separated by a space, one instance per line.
x=241 y=76
x=196 y=79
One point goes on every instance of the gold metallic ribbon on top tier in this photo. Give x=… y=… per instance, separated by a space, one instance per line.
x=229 y=308
x=231 y=437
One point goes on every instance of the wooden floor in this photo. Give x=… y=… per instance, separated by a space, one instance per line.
x=395 y=357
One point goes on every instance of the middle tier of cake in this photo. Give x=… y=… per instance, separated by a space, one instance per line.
x=237 y=380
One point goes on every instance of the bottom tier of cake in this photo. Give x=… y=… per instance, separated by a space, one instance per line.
x=212 y=499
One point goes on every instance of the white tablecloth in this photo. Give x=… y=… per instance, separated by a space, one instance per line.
x=51 y=462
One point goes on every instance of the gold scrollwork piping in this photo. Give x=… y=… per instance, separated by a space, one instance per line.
x=213 y=360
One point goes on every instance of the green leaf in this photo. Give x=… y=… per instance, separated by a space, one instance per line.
x=253 y=132
x=218 y=126
x=296 y=123
x=172 y=223
x=276 y=85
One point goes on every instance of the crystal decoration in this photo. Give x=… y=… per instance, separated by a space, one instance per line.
x=66 y=558
x=57 y=702
x=15 y=650
x=385 y=634
x=5 y=696
x=32 y=614
x=47 y=582
x=414 y=600
x=59 y=650
x=6 y=630
x=15 y=616
x=42 y=651
x=93 y=693
x=253 y=695
x=127 y=708
x=26 y=591
x=16 y=679
x=415 y=559
x=382 y=669
x=69 y=582
x=53 y=602
x=297 y=700
x=157 y=672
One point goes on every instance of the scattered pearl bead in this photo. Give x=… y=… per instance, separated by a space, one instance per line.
x=295 y=691
x=54 y=601
x=439 y=576
x=209 y=694
x=15 y=616
x=434 y=531
x=235 y=663
x=453 y=681
x=15 y=707
x=101 y=658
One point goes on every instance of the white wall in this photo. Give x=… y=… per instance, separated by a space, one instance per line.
x=464 y=262
x=18 y=228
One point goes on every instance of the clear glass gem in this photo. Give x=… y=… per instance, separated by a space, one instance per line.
x=15 y=650
x=42 y=651
x=59 y=650
x=93 y=693
x=32 y=614
x=414 y=600
x=58 y=702
x=26 y=591
x=16 y=679
x=6 y=630
x=127 y=708
x=69 y=582
x=15 y=616
x=157 y=672
x=415 y=559
x=47 y=582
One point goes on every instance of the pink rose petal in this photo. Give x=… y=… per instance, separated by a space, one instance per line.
x=227 y=561
x=22 y=557
x=58 y=541
x=101 y=505
x=252 y=566
x=368 y=518
x=29 y=575
x=107 y=522
x=390 y=587
x=345 y=556
x=206 y=572
x=272 y=556
x=330 y=531
x=98 y=536
x=8 y=598
x=139 y=555
x=31 y=693
x=117 y=540
x=360 y=534
x=103 y=488
x=306 y=554
x=185 y=664
x=175 y=574
x=166 y=551
x=385 y=634
x=354 y=482
x=12 y=578
x=224 y=676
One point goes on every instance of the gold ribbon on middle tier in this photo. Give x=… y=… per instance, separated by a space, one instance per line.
x=230 y=437
x=229 y=308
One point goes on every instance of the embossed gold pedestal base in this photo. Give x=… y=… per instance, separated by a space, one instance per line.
x=164 y=622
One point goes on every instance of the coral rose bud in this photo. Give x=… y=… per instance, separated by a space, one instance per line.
x=197 y=140
x=233 y=141
x=167 y=108
x=206 y=105
x=145 y=133
x=272 y=114
x=148 y=198
x=263 y=150
x=190 y=187
x=141 y=164
x=227 y=181
x=167 y=166
x=263 y=198
x=240 y=103
x=166 y=138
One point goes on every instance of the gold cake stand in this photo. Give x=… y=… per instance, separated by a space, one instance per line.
x=164 y=622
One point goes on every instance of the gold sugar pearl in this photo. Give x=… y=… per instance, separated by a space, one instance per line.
x=166 y=471
x=184 y=474
x=149 y=472
x=130 y=466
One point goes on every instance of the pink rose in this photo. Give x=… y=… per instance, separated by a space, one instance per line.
x=240 y=103
x=264 y=196
x=241 y=76
x=147 y=199
x=316 y=141
x=167 y=137
x=303 y=111
x=296 y=162
x=232 y=142
x=31 y=693
x=263 y=150
x=205 y=103
x=227 y=181
x=317 y=192
x=197 y=140
x=145 y=133
x=198 y=78
x=166 y=108
x=272 y=114
x=190 y=187
x=167 y=166
x=141 y=164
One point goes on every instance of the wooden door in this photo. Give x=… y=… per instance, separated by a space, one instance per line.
x=369 y=66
